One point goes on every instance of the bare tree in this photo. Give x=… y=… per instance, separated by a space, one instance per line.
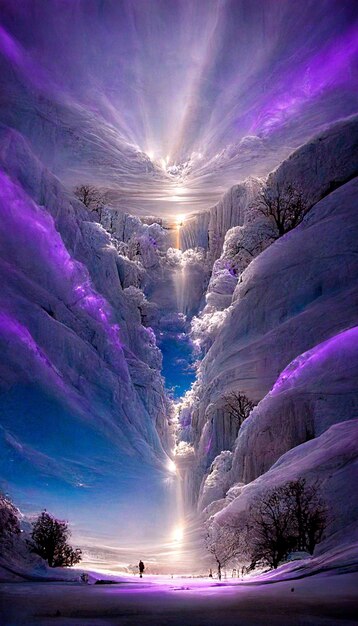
x=253 y=249
x=284 y=206
x=91 y=197
x=271 y=529
x=49 y=540
x=222 y=542
x=290 y=517
x=254 y=240
x=238 y=406
x=310 y=513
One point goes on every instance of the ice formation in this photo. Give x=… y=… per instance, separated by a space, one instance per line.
x=122 y=330
x=288 y=339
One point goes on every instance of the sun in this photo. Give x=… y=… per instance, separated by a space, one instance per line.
x=171 y=466
x=179 y=220
x=178 y=534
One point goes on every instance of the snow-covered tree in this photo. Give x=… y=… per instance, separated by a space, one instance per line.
x=223 y=542
x=9 y=520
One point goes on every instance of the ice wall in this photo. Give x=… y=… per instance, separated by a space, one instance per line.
x=84 y=413
x=166 y=285
x=299 y=292
x=194 y=232
x=208 y=229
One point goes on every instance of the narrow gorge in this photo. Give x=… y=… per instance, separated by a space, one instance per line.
x=179 y=293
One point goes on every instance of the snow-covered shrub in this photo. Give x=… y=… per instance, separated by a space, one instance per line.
x=9 y=520
x=135 y=295
x=205 y=328
x=243 y=243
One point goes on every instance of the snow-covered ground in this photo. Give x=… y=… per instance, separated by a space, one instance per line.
x=327 y=599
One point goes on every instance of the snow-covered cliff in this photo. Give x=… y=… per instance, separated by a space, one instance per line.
x=208 y=229
x=288 y=341
x=329 y=460
x=194 y=232
x=69 y=331
x=80 y=301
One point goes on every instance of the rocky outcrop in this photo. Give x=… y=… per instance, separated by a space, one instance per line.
x=217 y=481
x=323 y=164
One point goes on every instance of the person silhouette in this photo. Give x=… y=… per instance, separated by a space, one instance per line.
x=141 y=569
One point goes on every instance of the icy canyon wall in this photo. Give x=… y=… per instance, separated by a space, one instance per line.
x=294 y=307
x=317 y=167
x=172 y=280
x=166 y=285
x=237 y=229
x=208 y=229
x=82 y=394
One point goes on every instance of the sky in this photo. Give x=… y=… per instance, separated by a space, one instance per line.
x=166 y=103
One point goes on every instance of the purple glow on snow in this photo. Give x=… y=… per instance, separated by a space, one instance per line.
x=333 y=348
x=14 y=332
x=9 y=326
x=31 y=225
